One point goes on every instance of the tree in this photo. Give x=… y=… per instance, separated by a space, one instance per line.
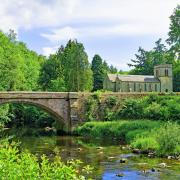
x=142 y=62
x=98 y=72
x=51 y=76
x=176 y=76
x=174 y=33
x=113 y=69
x=76 y=68
x=146 y=60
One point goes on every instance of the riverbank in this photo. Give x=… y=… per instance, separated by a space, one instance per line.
x=155 y=137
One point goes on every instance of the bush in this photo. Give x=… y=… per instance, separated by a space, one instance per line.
x=168 y=138
x=132 y=109
x=156 y=111
x=111 y=101
x=145 y=143
x=91 y=108
x=165 y=140
x=24 y=165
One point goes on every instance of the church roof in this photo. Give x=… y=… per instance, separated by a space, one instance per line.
x=133 y=78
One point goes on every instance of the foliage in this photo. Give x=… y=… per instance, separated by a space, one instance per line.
x=76 y=68
x=145 y=143
x=132 y=109
x=24 y=165
x=168 y=138
x=145 y=61
x=162 y=137
x=67 y=70
x=155 y=107
x=31 y=116
x=96 y=108
x=91 y=108
x=98 y=72
x=165 y=140
x=117 y=129
x=174 y=33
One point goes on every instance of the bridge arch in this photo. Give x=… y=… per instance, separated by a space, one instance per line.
x=47 y=109
x=61 y=105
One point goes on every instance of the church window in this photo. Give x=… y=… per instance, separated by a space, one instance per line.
x=134 y=86
x=166 y=72
x=157 y=73
x=155 y=87
x=150 y=87
x=145 y=87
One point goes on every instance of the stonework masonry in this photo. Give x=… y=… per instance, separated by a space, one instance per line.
x=67 y=107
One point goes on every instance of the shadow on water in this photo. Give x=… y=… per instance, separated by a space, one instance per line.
x=104 y=156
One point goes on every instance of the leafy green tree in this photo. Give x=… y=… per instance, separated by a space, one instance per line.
x=146 y=60
x=174 y=33
x=19 y=70
x=142 y=63
x=51 y=77
x=176 y=76
x=76 y=68
x=98 y=72
x=174 y=42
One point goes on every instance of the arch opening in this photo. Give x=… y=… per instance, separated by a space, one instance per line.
x=32 y=118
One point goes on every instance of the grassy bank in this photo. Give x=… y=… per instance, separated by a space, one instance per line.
x=160 y=137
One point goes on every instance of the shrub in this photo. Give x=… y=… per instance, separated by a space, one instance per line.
x=153 y=97
x=111 y=101
x=174 y=109
x=132 y=109
x=145 y=143
x=156 y=111
x=91 y=108
x=168 y=138
x=24 y=165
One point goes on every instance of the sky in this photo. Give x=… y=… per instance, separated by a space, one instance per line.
x=114 y=29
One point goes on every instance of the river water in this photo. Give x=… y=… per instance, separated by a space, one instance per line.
x=104 y=156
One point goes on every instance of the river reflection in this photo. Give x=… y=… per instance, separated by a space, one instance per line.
x=104 y=156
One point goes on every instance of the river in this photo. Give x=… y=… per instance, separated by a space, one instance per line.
x=104 y=156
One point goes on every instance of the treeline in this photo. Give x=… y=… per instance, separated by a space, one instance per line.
x=145 y=61
x=69 y=69
x=24 y=70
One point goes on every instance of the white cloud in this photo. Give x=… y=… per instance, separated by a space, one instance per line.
x=49 y=50
x=84 y=19
x=66 y=33
x=61 y=34
x=53 y=13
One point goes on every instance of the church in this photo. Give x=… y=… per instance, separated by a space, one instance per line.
x=161 y=81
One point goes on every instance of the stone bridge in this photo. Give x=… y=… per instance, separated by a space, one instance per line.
x=67 y=107
x=60 y=105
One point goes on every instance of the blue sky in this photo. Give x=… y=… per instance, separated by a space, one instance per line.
x=114 y=29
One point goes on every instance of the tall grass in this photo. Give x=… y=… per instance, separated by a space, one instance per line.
x=162 y=137
x=125 y=130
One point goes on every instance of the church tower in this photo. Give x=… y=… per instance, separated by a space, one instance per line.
x=164 y=73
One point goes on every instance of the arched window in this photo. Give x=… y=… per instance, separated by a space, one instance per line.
x=166 y=72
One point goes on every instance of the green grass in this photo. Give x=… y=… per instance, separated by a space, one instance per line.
x=162 y=137
x=123 y=129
